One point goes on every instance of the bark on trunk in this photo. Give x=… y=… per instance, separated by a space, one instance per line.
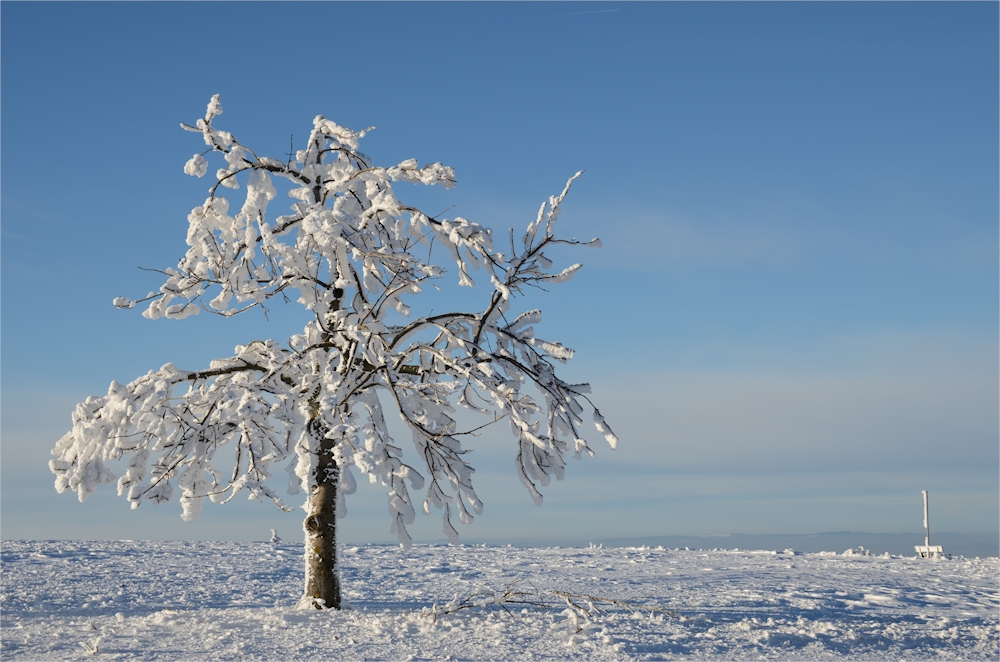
x=322 y=580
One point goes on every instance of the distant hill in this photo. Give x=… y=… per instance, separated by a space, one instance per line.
x=969 y=545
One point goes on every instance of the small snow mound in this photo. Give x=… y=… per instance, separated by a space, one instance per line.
x=860 y=551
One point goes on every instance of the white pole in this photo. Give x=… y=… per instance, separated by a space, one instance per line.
x=927 y=522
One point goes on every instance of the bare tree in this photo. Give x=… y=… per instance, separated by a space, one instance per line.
x=350 y=251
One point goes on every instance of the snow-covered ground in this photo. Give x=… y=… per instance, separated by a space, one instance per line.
x=214 y=601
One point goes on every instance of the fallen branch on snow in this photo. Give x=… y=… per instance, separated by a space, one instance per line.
x=515 y=593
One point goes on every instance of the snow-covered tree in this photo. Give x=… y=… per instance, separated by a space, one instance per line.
x=355 y=255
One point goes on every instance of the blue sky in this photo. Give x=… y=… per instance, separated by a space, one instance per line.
x=792 y=325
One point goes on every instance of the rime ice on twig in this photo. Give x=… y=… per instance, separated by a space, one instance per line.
x=520 y=593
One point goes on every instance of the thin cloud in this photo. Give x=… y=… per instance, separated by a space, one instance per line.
x=682 y=241
x=600 y=11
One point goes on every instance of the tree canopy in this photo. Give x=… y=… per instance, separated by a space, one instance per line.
x=355 y=257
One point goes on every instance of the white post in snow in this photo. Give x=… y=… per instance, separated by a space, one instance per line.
x=926 y=551
x=927 y=522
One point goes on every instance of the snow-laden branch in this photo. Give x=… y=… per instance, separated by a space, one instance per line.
x=354 y=254
x=581 y=608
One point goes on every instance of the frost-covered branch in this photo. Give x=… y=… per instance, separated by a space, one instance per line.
x=579 y=607
x=356 y=256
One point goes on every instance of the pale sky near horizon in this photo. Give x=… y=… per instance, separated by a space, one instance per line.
x=793 y=323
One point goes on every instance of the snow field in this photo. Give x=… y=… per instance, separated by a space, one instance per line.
x=226 y=601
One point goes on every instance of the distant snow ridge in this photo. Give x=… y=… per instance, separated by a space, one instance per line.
x=221 y=601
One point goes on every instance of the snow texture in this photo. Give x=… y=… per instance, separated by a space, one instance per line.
x=132 y=600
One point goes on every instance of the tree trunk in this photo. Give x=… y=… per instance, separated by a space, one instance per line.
x=322 y=580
